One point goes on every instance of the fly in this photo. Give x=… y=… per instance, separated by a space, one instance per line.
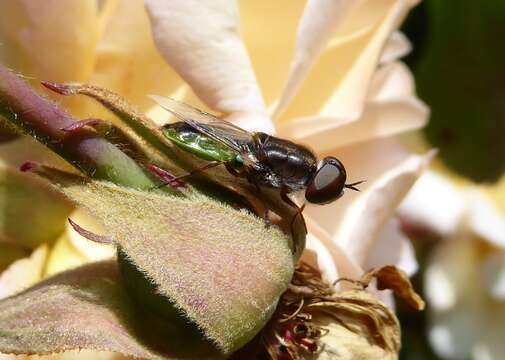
x=264 y=160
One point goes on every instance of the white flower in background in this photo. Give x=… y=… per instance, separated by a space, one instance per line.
x=465 y=275
x=326 y=74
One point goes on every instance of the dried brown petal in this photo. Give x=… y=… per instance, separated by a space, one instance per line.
x=393 y=278
x=360 y=313
x=313 y=321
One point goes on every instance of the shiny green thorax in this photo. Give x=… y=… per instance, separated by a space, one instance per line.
x=203 y=147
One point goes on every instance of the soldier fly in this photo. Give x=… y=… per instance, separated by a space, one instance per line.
x=264 y=160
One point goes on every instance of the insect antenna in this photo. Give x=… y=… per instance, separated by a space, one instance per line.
x=354 y=184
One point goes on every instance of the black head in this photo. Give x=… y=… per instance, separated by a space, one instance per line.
x=328 y=182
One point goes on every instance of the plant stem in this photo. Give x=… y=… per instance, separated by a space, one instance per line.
x=85 y=149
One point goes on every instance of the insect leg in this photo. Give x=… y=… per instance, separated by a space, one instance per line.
x=165 y=176
x=233 y=170
x=259 y=194
x=178 y=179
x=299 y=210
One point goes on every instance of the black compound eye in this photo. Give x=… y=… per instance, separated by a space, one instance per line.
x=328 y=183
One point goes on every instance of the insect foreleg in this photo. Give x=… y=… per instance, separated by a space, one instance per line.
x=299 y=210
x=232 y=170
x=178 y=179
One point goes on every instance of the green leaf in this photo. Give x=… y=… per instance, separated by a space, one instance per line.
x=223 y=268
x=86 y=308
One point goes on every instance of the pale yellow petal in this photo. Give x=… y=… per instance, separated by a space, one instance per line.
x=91 y=250
x=339 y=82
x=51 y=40
x=269 y=32
x=391 y=108
x=127 y=61
x=15 y=153
x=379 y=119
x=63 y=256
x=23 y=273
x=201 y=40
x=452 y=274
x=348 y=99
x=320 y=20
x=367 y=161
x=319 y=257
x=440 y=290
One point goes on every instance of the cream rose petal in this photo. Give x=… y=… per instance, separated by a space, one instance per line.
x=378 y=120
x=329 y=257
x=126 y=59
x=434 y=203
x=23 y=273
x=319 y=21
x=397 y=46
x=391 y=81
x=348 y=99
x=367 y=216
x=201 y=41
x=392 y=108
x=392 y=248
x=338 y=84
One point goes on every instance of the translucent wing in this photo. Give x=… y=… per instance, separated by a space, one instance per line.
x=219 y=130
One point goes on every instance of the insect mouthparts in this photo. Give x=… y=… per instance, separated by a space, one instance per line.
x=353 y=185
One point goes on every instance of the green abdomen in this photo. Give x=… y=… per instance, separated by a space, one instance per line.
x=200 y=145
